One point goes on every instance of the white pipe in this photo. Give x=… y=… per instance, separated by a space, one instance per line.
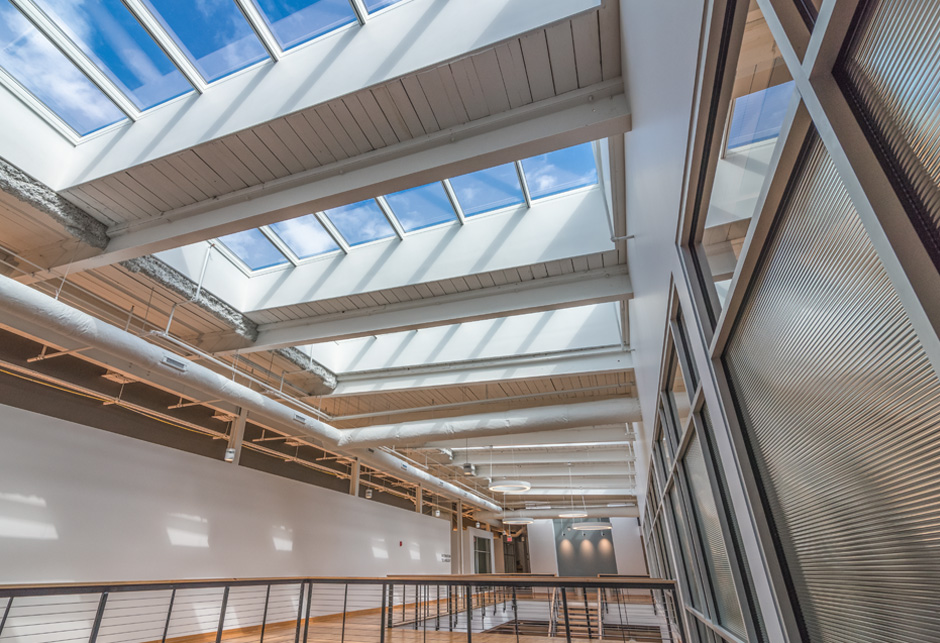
x=592 y=512
x=40 y=310
x=542 y=418
x=551 y=470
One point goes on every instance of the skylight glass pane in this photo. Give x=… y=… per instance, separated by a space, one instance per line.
x=297 y=21
x=374 y=5
x=560 y=171
x=421 y=207
x=44 y=71
x=305 y=236
x=110 y=35
x=758 y=116
x=254 y=249
x=361 y=222
x=213 y=33
x=487 y=190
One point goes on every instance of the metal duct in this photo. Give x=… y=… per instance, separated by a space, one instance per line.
x=39 y=310
x=542 y=418
x=553 y=471
x=592 y=512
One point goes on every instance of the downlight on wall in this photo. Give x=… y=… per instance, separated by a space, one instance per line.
x=510 y=486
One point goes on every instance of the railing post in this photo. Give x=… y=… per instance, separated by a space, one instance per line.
x=564 y=607
x=342 y=634
x=97 y=624
x=307 y=620
x=450 y=608
x=169 y=612
x=300 y=611
x=417 y=589
x=264 y=615
x=382 y=621
x=6 y=613
x=587 y=613
x=469 y=598
x=515 y=613
x=437 y=618
x=391 y=603
x=218 y=632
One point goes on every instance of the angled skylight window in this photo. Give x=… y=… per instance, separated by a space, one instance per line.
x=33 y=61
x=361 y=222
x=305 y=236
x=254 y=249
x=757 y=117
x=489 y=189
x=376 y=5
x=213 y=33
x=421 y=207
x=296 y=21
x=110 y=35
x=560 y=171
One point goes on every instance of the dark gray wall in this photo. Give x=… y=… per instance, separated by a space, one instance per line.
x=583 y=553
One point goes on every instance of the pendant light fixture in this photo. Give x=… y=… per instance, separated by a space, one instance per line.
x=572 y=513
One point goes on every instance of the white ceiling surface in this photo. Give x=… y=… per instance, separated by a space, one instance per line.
x=566 y=329
x=460 y=66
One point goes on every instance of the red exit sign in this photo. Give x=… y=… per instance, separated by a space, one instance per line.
x=508 y=538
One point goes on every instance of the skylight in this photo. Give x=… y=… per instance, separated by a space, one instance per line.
x=361 y=222
x=305 y=236
x=422 y=207
x=376 y=5
x=36 y=64
x=111 y=37
x=254 y=249
x=415 y=209
x=296 y=21
x=487 y=190
x=213 y=33
x=758 y=117
x=560 y=171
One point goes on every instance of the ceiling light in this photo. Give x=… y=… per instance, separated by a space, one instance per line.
x=573 y=514
x=510 y=486
x=368 y=493
x=620 y=504
x=469 y=469
x=518 y=520
x=591 y=526
x=437 y=513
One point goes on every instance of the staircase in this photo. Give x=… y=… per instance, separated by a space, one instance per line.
x=584 y=617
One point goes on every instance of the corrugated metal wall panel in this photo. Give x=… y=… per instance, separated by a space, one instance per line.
x=841 y=410
x=890 y=71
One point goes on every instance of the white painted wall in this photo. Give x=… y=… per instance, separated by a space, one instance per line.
x=628 y=546
x=80 y=504
x=542 y=557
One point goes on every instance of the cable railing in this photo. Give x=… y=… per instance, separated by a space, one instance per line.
x=394 y=609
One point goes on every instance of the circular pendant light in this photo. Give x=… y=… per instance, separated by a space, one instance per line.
x=518 y=520
x=592 y=526
x=573 y=514
x=510 y=486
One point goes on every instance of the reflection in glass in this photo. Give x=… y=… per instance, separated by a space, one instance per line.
x=421 y=207
x=374 y=5
x=296 y=21
x=361 y=222
x=111 y=36
x=679 y=395
x=305 y=236
x=213 y=33
x=35 y=63
x=560 y=171
x=488 y=190
x=254 y=249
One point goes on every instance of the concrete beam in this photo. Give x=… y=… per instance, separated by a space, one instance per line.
x=575 y=117
x=551 y=293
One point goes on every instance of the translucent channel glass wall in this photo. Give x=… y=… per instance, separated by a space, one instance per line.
x=840 y=408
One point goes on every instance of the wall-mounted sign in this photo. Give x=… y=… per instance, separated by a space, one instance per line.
x=445 y=558
x=508 y=538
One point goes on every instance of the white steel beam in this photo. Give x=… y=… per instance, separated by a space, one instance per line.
x=260 y=26
x=550 y=293
x=561 y=363
x=557 y=456
x=540 y=471
x=482 y=450
x=576 y=117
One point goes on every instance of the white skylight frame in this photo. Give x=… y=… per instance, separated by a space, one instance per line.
x=48 y=27
x=400 y=232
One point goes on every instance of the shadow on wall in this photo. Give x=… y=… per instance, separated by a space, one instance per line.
x=583 y=553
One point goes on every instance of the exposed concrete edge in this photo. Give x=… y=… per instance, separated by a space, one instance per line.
x=295 y=356
x=79 y=223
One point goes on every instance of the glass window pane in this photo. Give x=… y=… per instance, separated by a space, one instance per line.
x=421 y=207
x=361 y=222
x=679 y=395
x=757 y=117
x=44 y=71
x=305 y=236
x=296 y=21
x=110 y=35
x=374 y=5
x=253 y=248
x=213 y=33
x=760 y=96
x=560 y=171
x=487 y=190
